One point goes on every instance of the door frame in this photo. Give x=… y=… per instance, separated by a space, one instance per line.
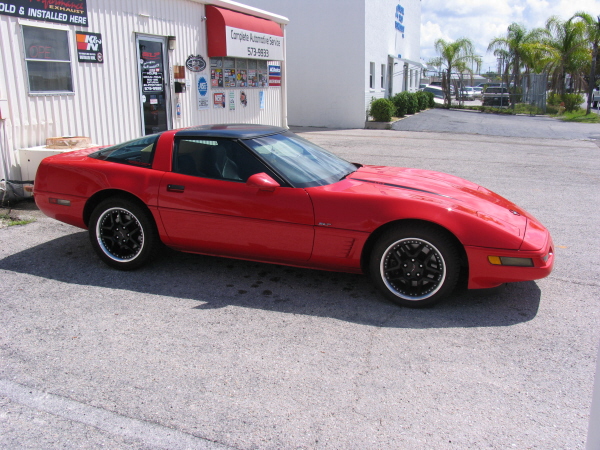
x=166 y=80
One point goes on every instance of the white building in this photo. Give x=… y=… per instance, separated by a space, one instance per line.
x=113 y=70
x=341 y=54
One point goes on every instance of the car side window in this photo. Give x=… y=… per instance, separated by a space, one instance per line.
x=138 y=152
x=220 y=159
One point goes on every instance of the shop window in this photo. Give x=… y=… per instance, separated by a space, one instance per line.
x=241 y=72
x=372 y=75
x=238 y=72
x=48 y=60
x=263 y=73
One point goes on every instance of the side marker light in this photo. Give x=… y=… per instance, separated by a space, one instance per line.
x=59 y=201
x=510 y=261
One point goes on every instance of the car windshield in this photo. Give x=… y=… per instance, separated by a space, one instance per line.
x=299 y=161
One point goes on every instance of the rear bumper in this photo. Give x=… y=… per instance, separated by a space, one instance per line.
x=68 y=210
x=483 y=274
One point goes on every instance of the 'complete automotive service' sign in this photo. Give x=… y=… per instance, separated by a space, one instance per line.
x=249 y=44
x=70 y=12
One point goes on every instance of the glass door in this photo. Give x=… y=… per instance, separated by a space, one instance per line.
x=153 y=82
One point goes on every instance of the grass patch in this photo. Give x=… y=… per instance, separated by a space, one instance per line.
x=10 y=221
x=580 y=116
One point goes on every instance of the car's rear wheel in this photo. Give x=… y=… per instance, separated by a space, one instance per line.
x=122 y=233
x=415 y=266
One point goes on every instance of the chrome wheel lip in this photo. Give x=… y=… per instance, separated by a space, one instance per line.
x=393 y=290
x=100 y=236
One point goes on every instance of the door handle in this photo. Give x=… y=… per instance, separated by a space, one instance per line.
x=175 y=188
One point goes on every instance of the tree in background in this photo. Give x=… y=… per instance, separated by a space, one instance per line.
x=592 y=36
x=519 y=49
x=458 y=56
x=567 y=51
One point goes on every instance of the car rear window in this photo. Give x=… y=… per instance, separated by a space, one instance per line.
x=138 y=152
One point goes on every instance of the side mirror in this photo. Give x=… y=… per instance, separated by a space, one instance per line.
x=262 y=182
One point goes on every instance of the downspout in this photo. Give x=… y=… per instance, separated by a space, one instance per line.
x=284 y=114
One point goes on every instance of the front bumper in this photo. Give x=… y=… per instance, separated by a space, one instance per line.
x=483 y=274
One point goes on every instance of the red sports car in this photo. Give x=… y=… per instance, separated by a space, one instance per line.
x=264 y=194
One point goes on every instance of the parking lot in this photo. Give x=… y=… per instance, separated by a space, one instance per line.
x=200 y=352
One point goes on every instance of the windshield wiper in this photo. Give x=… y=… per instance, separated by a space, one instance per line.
x=349 y=173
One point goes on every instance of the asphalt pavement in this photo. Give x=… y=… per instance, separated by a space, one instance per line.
x=211 y=353
x=473 y=122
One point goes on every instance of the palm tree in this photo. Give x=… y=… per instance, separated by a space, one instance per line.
x=457 y=56
x=592 y=35
x=567 y=49
x=518 y=48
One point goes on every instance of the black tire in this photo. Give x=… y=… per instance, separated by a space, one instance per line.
x=415 y=265
x=122 y=233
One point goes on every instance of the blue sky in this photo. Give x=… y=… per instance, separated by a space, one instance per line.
x=481 y=20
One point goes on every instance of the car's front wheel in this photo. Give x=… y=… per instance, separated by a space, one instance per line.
x=415 y=266
x=122 y=233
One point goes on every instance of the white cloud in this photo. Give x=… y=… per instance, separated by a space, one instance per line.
x=482 y=21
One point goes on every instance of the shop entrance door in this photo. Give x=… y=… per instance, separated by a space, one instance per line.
x=153 y=82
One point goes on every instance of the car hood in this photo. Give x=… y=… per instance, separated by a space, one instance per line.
x=446 y=188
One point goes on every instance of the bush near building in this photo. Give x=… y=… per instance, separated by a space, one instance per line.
x=382 y=110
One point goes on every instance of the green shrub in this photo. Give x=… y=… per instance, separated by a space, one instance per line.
x=423 y=100
x=572 y=102
x=382 y=110
x=430 y=99
x=553 y=99
x=413 y=104
x=400 y=101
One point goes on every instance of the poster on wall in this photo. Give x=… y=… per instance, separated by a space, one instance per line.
x=274 y=75
x=219 y=100
x=89 y=47
x=242 y=78
x=229 y=78
x=72 y=12
x=216 y=77
x=152 y=81
x=231 y=100
x=202 y=86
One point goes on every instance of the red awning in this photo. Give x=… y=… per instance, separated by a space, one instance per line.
x=218 y=18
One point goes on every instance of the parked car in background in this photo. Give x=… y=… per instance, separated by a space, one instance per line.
x=435 y=90
x=439 y=84
x=496 y=96
x=466 y=93
x=261 y=193
x=477 y=92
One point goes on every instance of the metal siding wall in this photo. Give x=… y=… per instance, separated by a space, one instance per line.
x=105 y=105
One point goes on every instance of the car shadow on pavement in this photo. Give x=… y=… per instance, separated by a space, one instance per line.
x=220 y=282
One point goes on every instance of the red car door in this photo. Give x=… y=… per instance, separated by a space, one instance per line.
x=231 y=218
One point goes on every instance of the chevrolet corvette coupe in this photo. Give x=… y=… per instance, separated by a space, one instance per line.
x=262 y=193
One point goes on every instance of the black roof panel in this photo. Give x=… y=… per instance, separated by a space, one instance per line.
x=231 y=131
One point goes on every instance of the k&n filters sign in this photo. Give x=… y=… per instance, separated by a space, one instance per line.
x=68 y=12
x=89 y=47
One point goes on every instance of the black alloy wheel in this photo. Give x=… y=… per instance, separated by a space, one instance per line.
x=415 y=266
x=122 y=233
